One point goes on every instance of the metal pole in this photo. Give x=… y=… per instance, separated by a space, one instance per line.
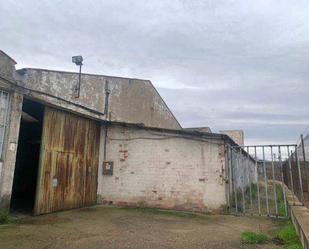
x=299 y=176
x=234 y=181
x=229 y=154
x=282 y=182
x=295 y=185
x=257 y=181
x=242 y=182
x=290 y=170
x=267 y=145
x=274 y=180
x=77 y=88
x=306 y=168
x=79 y=79
x=265 y=179
x=249 y=179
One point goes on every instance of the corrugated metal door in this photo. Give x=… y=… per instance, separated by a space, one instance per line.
x=68 y=170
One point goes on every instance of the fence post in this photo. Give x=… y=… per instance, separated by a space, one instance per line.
x=242 y=181
x=257 y=181
x=274 y=180
x=265 y=179
x=299 y=176
x=249 y=178
x=234 y=168
x=282 y=180
x=230 y=180
x=305 y=166
x=291 y=176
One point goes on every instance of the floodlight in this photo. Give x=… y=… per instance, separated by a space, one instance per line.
x=78 y=60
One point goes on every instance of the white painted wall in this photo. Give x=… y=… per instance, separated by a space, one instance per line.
x=153 y=170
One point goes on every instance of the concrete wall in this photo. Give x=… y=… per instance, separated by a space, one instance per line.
x=7 y=166
x=236 y=135
x=131 y=100
x=7 y=163
x=158 y=170
x=7 y=66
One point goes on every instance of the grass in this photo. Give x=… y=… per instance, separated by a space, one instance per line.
x=4 y=218
x=280 y=199
x=293 y=246
x=289 y=237
x=285 y=236
x=254 y=238
x=254 y=196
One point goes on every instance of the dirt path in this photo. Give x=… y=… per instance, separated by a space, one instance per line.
x=107 y=227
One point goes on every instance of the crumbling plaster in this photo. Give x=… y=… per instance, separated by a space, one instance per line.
x=130 y=101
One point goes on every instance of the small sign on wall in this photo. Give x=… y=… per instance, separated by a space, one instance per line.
x=108 y=168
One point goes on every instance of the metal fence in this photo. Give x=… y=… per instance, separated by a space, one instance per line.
x=256 y=175
x=296 y=171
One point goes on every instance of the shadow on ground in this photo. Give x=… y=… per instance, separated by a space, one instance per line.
x=109 y=227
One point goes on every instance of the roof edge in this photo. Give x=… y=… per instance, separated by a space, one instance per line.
x=71 y=72
x=9 y=57
x=164 y=103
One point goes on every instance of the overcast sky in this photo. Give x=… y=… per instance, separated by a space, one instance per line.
x=224 y=64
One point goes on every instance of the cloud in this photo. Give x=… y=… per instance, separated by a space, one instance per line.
x=225 y=64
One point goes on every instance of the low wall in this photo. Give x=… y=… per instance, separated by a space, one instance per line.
x=300 y=217
x=162 y=170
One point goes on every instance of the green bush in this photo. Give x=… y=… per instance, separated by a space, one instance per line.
x=254 y=238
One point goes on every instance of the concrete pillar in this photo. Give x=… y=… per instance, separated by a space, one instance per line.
x=11 y=140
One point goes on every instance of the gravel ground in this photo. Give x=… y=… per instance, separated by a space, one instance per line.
x=109 y=227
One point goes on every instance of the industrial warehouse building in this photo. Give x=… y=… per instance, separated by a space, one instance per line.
x=111 y=141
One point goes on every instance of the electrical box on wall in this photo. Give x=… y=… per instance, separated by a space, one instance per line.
x=108 y=168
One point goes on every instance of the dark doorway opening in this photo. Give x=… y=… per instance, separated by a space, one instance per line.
x=27 y=158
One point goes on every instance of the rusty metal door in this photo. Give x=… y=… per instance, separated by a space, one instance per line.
x=68 y=169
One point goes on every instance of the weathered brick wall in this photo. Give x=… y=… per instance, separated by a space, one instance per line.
x=158 y=170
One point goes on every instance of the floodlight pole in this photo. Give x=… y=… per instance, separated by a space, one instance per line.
x=79 y=80
x=78 y=60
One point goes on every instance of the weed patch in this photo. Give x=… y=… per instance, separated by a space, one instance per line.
x=4 y=218
x=289 y=237
x=286 y=236
x=280 y=199
x=254 y=238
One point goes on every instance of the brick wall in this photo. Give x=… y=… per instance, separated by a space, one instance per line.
x=158 y=170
